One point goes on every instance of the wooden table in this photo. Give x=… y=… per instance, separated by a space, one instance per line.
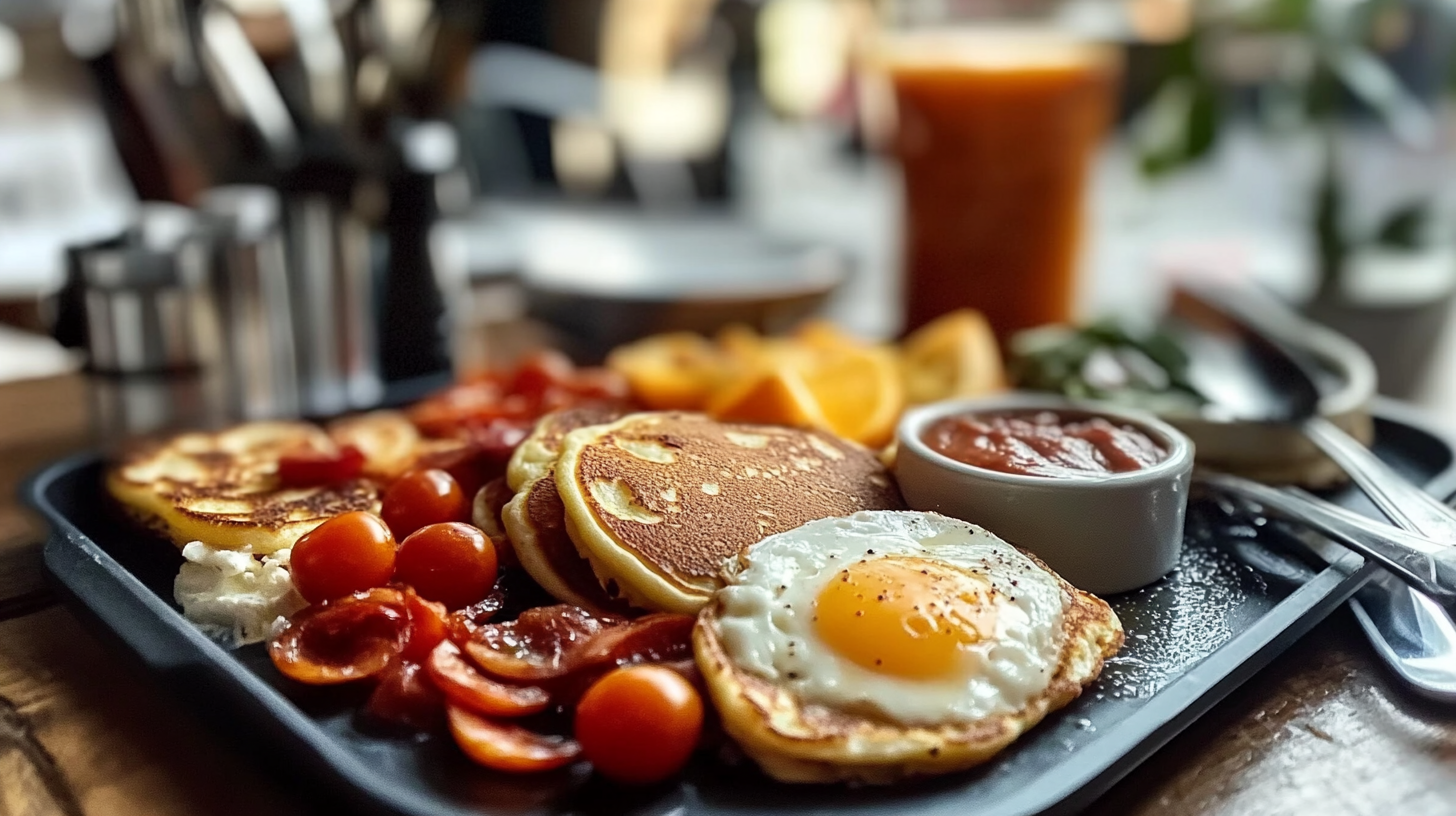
x=1323 y=730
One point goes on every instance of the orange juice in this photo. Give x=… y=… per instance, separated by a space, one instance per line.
x=995 y=132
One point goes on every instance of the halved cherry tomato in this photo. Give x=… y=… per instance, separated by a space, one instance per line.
x=555 y=643
x=639 y=724
x=507 y=747
x=420 y=497
x=657 y=638
x=452 y=563
x=344 y=639
x=533 y=647
x=309 y=467
x=347 y=553
x=428 y=625
x=467 y=687
x=406 y=697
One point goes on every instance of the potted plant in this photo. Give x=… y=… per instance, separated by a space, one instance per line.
x=1387 y=284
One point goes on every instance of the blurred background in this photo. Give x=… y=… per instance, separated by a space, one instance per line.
x=254 y=208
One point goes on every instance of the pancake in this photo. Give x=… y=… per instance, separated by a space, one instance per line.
x=535 y=520
x=389 y=441
x=536 y=455
x=798 y=741
x=658 y=501
x=222 y=488
x=485 y=512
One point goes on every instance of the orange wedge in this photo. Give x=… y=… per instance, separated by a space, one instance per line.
x=823 y=335
x=675 y=371
x=773 y=396
x=954 y=355
x=855 y=393
x=860 y=394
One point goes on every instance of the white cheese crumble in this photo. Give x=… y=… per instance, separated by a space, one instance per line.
x=233 y=595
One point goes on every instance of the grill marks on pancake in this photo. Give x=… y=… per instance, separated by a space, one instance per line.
x=274 y=509
x=727 y=486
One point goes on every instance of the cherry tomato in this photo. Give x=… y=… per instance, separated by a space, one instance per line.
x=428 y=625
x=308 y=467
x=639 y=724
x=347 y=553
x=344 y=639
x=406 y=697
x=421 y=497
x=507 y=747
x=452 y=563
x=465 y=686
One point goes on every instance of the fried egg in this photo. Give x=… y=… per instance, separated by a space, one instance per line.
x=891 y=643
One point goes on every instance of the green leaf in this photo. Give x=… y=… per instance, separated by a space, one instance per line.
x=1058 y=361
x=1180 y=125
x=1405 y=228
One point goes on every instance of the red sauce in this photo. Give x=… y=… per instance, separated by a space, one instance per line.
x=1043 y=443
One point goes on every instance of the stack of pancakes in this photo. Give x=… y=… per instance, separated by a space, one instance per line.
x=642 y=510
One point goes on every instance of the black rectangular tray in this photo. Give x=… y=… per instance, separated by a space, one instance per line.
x=1191 y=639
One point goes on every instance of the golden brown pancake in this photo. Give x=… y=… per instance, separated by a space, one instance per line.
x=796 y=741
x=536 y=522
x=657 y=501
x=222 y=488
x=485 y=512
x=389 y=441
x=537 y=453
x=535 y=519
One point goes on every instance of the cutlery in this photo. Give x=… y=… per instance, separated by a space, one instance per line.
x=1412 y=632
x=1252 y=369
x=1411 y=557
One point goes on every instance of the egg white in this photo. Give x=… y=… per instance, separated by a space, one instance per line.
x=767 y=606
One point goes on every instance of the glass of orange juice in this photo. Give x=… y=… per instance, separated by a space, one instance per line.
x=996 y=123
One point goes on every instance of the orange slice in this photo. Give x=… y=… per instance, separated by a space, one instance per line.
x=954 y=355
x=675 y=371
x=854 y=393
x=773 y=396
x=860 y=394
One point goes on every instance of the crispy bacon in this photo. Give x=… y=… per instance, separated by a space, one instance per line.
x=492 y=407
x=534 y=646
x=428 y=625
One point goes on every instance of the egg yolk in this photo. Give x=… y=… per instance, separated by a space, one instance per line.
x=907 y=617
